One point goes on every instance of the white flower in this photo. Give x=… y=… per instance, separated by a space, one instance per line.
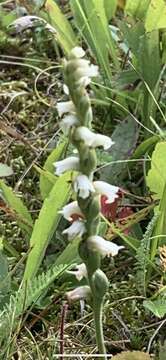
x=104 y=247
x=78 y=52
x=83 y=186
x=80 y=293
x=91 y=139
x=70 y=163
x=80 y=271
x=110 y=191
x=65 y=107
x=76 y=229
x=71 y=209
x=86 y=69
x=67 y=122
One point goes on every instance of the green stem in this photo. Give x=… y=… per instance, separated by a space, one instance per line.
x=97 y=311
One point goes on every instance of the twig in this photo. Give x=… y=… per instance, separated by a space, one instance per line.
x=154 y=335
x=62 y=324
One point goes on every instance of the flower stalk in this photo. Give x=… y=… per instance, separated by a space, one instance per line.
x=78 y=121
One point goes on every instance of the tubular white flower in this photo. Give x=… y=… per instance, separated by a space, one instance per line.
x=78 y=52
x=65 y=107
x=91 y=139
x=76 y=229
x=80 y=272
x=71 y=209
x=80 y=293
x=104 y=247
x=70 y=163
x=68 y=122
x=87 y=70
x=83 y=186
x=110 y=191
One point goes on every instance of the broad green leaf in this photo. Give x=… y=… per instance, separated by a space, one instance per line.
x=157 y=307
x=5 y=170
x=47 y=178
x=70 y=254
x=159 y=233
x=132 y=35
x=149 y=48
x=156 y=15
x=125 y=137
x=145 y=147
x=21 y=213
x=156 y=178
x=137 y=8
x=110 y=8
x=47 y=223
x=65 y=34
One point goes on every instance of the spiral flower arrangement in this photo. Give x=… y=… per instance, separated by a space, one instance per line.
x=76 y=123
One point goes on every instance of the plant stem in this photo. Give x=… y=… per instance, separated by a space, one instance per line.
x=97 y=311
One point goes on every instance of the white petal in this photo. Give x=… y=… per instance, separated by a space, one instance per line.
x=83 y=186
x=78 y=52
x=65 y=89
x=91 y=139
x=70 y=163
x=104 y=247
x=65 y=107
x=80 y=272
x=67 y=123
x=91 y=71
x=106 y=189
x=71 y=209
x=77 y=229
x=81 y=292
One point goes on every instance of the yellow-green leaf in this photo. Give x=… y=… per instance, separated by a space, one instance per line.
x=47 y=177
x=156 y=177
x=65 y=34
x=156 y=15
x=21 y=213
x=47 y=223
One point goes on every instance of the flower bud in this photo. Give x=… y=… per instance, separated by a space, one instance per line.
x=100 y=284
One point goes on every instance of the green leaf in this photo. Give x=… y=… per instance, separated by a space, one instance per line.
x=145 y=146
x=47 y=223
x=70 y=254
x=156 y=15
x=157 y=307
x=65 y=34
x=125 y=137
x=5 y=170
x=137 y=8
x=156 y=178
x=110 y=8
x=47 y=178
x=22 y=214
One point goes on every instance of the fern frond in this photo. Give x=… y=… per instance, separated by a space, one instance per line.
x=27 y=295
x=142 y=256
x=157 y=307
